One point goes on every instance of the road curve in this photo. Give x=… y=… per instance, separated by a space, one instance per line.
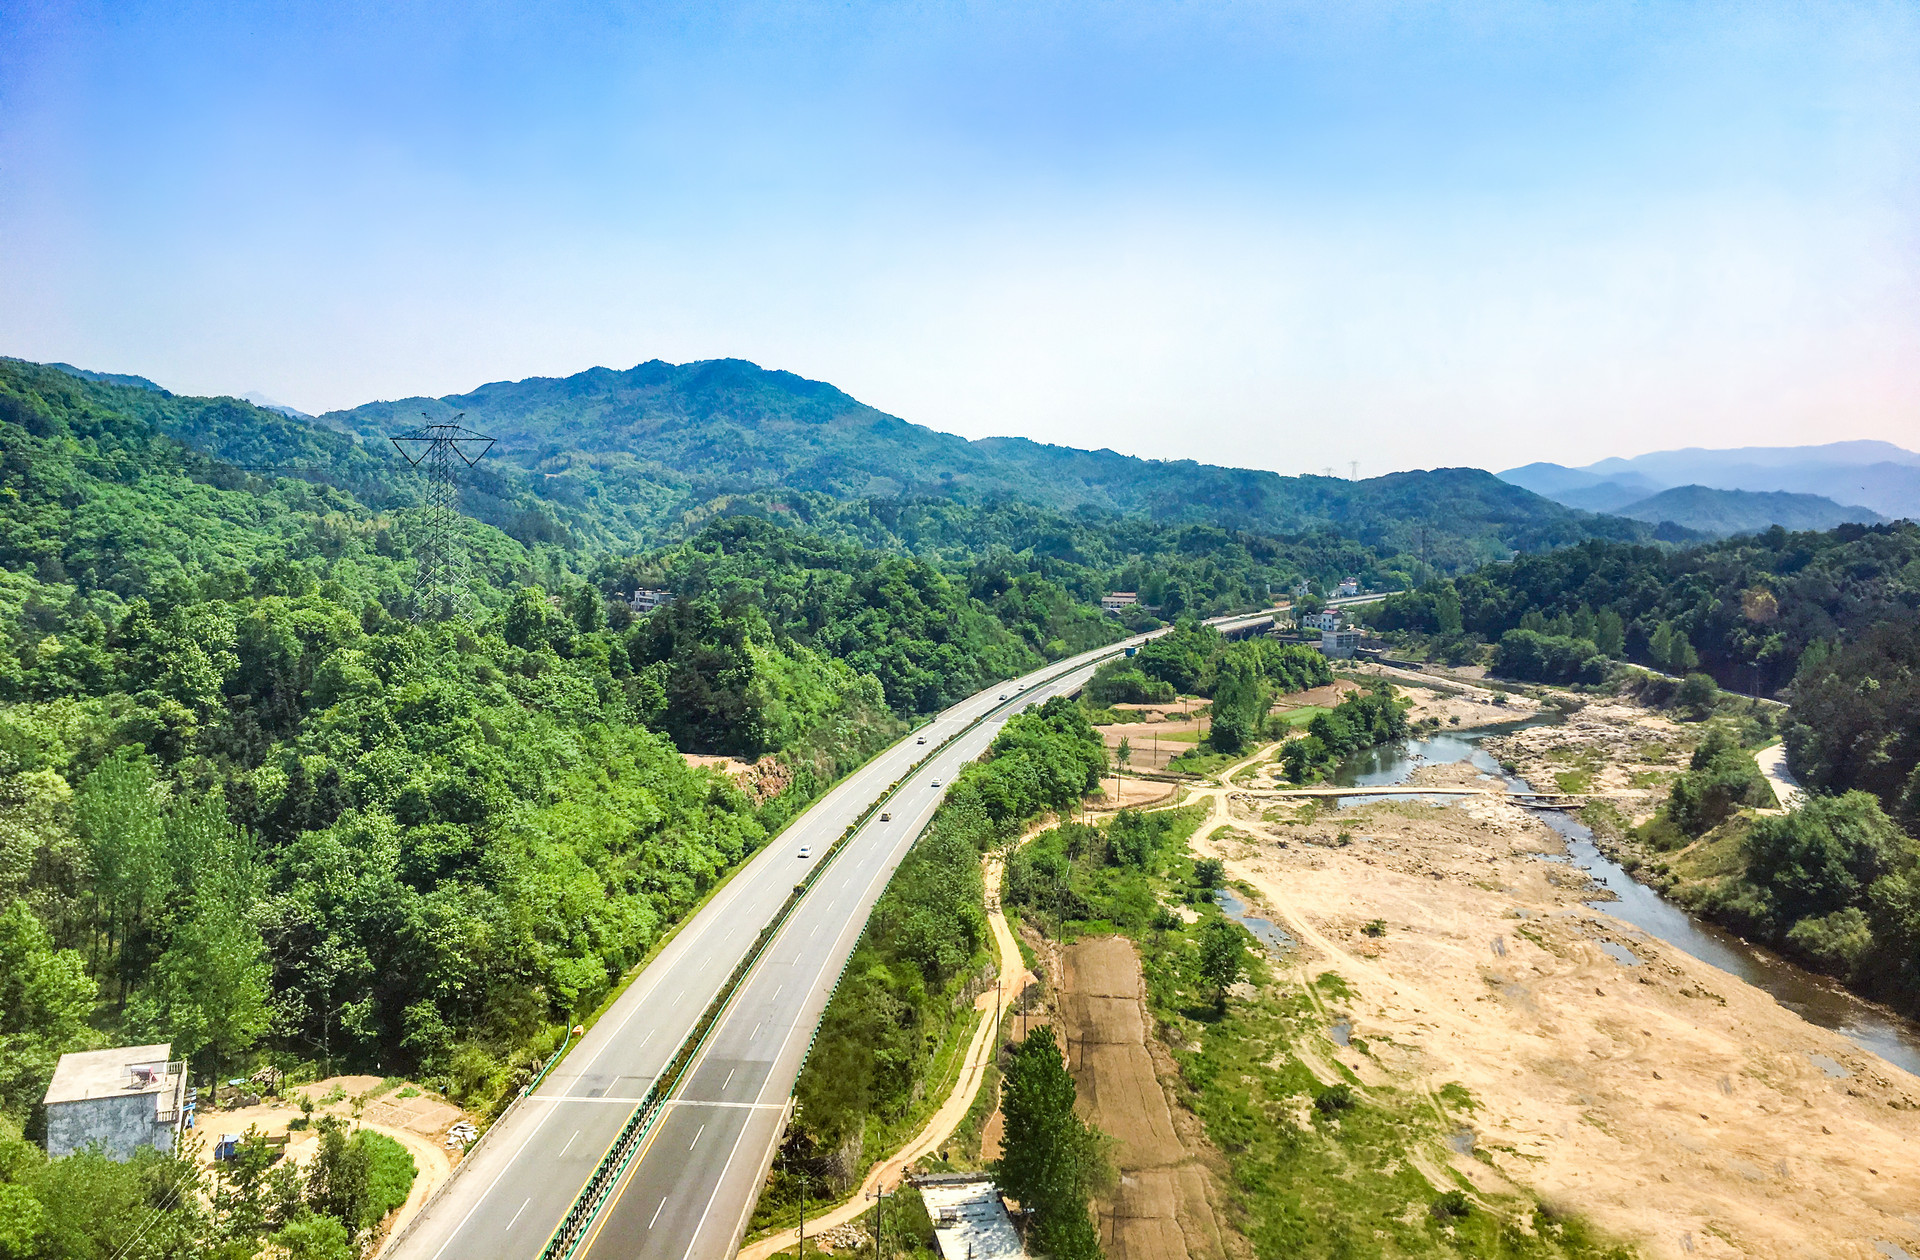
x=689 y=1192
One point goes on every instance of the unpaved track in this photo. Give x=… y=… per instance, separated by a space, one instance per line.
x=1163 y=1206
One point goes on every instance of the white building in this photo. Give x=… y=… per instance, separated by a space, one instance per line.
x=1339 y=645
x=120 y=1100
x=1118 y=600
x=969 y=1220
x=646 y=599
x=1349 y=586
x=1326 y=619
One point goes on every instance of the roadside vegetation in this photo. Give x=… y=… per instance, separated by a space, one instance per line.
x=1317 y=1168
x=904 y=1006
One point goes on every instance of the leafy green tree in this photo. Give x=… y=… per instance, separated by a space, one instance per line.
x=45 y=997
x=313 y=1236
x=1050 y=1159
x=1240 y=703
x=1223 y=958
x=1824 y=856
x=209 y=989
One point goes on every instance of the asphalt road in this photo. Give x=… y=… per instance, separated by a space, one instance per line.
x=690 y=1191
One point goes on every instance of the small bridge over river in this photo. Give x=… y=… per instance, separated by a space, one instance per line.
x=1537 y=800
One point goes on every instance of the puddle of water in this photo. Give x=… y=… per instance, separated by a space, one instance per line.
x=1620 y=954
x=1267 y=932
x=1831 y=1068
x=1461 y=1141
x=1892 y=1251
x=1814 y=998
x=1341 y=1032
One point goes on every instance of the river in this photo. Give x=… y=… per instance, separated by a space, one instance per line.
x=1813 y=997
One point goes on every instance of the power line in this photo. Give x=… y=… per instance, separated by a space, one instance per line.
x=441 y=588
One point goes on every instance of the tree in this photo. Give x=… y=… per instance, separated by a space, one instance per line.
x=1239 y=705
x=1223 y=958
x=45 y=997
x=1050 y=1160
x=1122 y=757
x=210 y=988
x=1697 y=694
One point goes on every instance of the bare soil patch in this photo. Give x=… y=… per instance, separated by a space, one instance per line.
x=1664 y=1100
x=1163 y=1207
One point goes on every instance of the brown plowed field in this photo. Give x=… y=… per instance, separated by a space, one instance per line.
x=1163 y=1206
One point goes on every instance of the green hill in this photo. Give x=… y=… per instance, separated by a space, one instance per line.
x=1723 y=512
x=623 y=455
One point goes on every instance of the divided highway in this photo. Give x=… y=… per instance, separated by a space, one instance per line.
x=688 y=1194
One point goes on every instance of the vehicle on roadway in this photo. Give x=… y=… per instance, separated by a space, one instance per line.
x=886 y=817
x=1003 y=695
x=921 y=740
x=935 y=783
x=806 y=851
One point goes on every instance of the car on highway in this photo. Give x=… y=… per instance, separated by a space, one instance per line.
x=921 y=740
x=806 y=851
x=1003 y=695
x=936 y=783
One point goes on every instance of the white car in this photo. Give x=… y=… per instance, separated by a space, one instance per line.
x=806 y=851
x=936 y=783
x=1003 y=695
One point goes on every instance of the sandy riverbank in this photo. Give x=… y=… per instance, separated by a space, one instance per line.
x=1664 y=1100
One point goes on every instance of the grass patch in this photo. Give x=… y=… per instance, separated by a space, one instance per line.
x=1315 y=1171
x=1573 y=780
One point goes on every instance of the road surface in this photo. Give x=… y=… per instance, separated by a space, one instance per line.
x=699 y=1172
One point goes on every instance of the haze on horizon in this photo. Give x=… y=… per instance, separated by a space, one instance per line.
x=1273 y=236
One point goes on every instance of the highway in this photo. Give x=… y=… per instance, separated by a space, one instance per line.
x=699 y=1171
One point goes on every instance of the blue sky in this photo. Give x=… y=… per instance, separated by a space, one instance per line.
x=1284 y=236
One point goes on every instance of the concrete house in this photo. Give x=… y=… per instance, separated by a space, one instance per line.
x=120 y=1099
x=1118 y=600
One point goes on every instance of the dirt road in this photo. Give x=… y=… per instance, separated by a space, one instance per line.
x=1163 y=1207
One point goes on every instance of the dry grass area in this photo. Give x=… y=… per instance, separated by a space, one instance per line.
x=1663 y=1100
x=1163 y=1205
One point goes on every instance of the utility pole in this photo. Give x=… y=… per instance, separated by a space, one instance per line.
x=1354 y=465
x=440 y=589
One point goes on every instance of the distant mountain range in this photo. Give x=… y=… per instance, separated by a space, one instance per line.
x=630 y=459
x=659 y=435
x=1810 y=487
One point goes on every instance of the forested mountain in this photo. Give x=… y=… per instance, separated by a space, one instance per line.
x=634 y=449
x=1719 y=513
x=1883 y=477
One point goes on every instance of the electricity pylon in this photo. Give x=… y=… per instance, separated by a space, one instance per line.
x=441 y=588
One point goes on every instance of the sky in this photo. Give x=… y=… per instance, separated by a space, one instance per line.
x=1368 y=236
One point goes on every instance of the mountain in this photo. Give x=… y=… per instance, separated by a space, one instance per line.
x=110 y=378
x=641 y=448
x=1877 y=475
x=1725 y=512
x=261 y=400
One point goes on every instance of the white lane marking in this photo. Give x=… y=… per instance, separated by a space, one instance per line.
x=739 y=1106
x=756 y=1031
x=656 y=1213
x=516 y=1215
x=729 y=1080
x=696 y=1136
x=569 y=1145
x=487 y=1195
x=815 y=932
x=776 y=993
x=591 y=1098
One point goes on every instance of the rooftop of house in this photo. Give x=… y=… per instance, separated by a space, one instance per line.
x=112 y=1073
x=969 y=1221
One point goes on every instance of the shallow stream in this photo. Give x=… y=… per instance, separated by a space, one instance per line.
x=1813 y=997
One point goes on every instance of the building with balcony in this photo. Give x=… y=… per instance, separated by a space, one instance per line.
x=119 y=1100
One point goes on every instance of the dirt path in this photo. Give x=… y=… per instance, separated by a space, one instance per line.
x=941 y=1125
x=1772 y=761
x=1162 y=1208
x=1612 y=1075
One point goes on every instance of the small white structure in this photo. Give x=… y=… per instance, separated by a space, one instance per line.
x=120 y=1100
x=646 y=599
x=969 y=1220
x=1349 y=586
x=1327 y=619
x=1339 y=645
x=1118 y=600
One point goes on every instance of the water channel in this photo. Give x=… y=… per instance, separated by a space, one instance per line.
x=1815 y=998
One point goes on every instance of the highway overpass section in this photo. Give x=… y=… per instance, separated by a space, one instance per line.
x=689 y=1192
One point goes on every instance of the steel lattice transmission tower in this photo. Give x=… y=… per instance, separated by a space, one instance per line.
x=441 y=589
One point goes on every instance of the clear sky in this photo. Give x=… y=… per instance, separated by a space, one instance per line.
x=1283 y=235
